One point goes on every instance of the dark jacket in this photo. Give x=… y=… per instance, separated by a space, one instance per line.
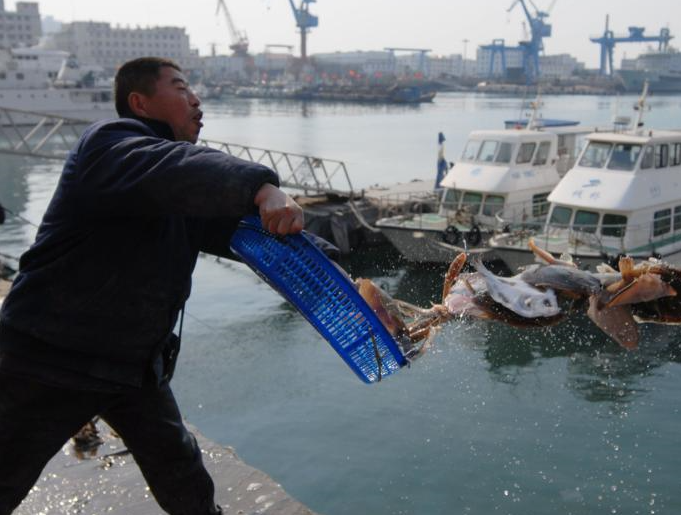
x=99 y=291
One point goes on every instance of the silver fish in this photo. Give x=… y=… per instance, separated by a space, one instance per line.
x=518 y=296
x=561 y=277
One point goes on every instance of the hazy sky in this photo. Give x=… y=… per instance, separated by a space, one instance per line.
x=440 y=25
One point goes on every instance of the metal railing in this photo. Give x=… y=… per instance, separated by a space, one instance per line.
x=312 y=175
x=606 y=239
x=46 y=136
x=33 y=134
x=409 y=203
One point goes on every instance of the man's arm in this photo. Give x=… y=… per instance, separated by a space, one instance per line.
x=123 y=170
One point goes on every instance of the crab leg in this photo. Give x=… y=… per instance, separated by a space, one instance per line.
x=452 y=273
x=546 y=256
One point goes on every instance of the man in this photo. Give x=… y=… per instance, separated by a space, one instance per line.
x=87 y=328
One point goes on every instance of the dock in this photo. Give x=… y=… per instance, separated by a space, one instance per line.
x=349 y=221
x=107 y=480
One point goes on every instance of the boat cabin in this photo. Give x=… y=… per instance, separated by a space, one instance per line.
x=623 y=195
x=509 y=172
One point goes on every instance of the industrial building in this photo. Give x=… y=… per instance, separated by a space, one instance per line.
x=99 y=43
x=21 y=27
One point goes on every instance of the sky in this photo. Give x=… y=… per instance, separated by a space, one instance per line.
x=348 y=25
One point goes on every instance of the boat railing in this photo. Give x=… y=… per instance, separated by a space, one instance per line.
x=527 y=214
x=605 y=239
x=409 y=204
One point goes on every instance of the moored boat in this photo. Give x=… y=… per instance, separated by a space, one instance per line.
x=502 y=173
x=623 y=197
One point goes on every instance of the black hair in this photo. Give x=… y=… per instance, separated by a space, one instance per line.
x=138 y=76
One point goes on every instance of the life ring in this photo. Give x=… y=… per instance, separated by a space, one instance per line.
x=451 y=235
x=474 y=236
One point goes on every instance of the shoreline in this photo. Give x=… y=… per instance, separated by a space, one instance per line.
x=107 y=480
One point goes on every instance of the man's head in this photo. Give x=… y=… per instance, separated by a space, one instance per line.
x=156 y=88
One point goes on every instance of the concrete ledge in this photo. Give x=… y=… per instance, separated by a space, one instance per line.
x=107 y=481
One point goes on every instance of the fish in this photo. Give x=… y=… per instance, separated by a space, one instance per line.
x=617 y=322
x=518 y=296
x=560 y=277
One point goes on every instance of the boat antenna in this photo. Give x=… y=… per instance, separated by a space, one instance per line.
x=640 y=107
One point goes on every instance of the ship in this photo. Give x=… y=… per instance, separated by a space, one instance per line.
x=662 y=70
x=52 y=82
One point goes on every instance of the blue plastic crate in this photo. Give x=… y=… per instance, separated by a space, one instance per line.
x=323 y=294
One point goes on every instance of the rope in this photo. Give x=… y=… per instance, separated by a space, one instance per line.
x=17 y=215
x=361 y=218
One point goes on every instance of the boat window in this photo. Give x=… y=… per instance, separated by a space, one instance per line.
x=525 y=153
x=624 y=157
x=677 y=218
x=647 y=161
x=614 y=225
x=586 y=221
x=471 y=202
x=561 y=216
x=493 y=204
x=676 y=154
x=662 y=222
x=661 y=156
x=505 y=153
x=542 y=153
x=540 y=204
x=487 y=151
x=451 y=198
x=595 y=155
x=471 y=150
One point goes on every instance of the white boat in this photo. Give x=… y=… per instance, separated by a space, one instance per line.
x=502 y=173
x=623 y=197
x=49 y=81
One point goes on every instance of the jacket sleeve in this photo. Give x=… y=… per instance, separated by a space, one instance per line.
x=121 y=169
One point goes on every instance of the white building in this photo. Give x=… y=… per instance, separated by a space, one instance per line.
x=447 y=66
x=561 y=66
x=20 y=28
x=100 y=43
x=223 y=67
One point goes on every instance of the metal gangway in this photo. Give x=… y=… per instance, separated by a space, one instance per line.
x=47 y=136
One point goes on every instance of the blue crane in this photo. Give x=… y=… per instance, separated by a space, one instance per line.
x=539 y=30
x=304 y=21
x=636 y=35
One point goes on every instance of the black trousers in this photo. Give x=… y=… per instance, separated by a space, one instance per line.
x=36 y=420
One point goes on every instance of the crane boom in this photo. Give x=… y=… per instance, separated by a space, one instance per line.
x=239 y=39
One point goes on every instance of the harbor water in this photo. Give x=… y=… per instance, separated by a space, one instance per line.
x=493 y=420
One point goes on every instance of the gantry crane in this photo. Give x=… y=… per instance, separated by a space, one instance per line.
x=304 y=21
x=239 y=39
x=539 y=29
x=608 y=41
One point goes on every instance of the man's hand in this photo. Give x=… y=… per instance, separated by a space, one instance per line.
x=279 y=213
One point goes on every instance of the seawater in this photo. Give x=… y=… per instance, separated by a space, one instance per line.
x=492 y=420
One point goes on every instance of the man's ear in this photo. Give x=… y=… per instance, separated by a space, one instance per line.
x=138 y=104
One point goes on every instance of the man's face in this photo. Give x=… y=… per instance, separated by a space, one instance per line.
x=176 y=104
